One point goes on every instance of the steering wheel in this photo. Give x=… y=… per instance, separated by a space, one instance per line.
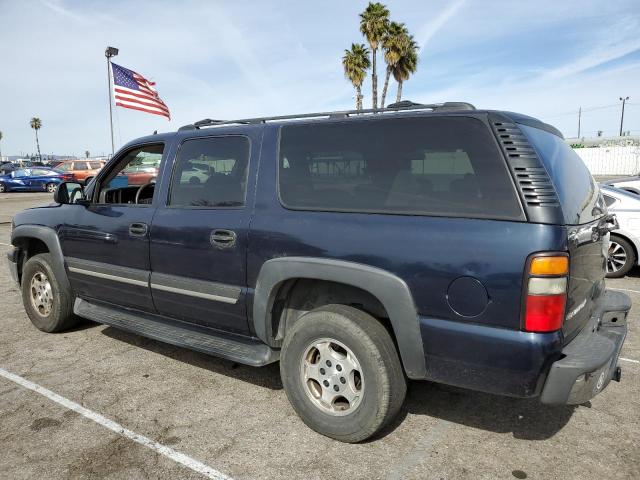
x=142 y=189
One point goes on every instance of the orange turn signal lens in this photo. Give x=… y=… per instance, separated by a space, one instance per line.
x=549 y=266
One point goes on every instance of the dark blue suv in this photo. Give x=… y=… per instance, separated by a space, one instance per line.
x=359 y=249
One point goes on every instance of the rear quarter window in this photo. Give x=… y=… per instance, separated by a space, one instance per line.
x=577 y=191
x=443 y=166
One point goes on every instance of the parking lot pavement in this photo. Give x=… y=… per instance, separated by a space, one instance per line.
x=237 y=420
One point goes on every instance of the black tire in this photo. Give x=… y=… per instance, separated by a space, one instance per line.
x=87 y=180
x=3 y=188
x=383 y=381
x=621 y=250
x=60 y=317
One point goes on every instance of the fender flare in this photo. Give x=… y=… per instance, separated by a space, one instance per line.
x=389 y=289
x=50 y=238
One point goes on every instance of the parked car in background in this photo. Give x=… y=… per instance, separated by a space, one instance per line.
x=629 y=184
x=81 y=170
x=625 y=242
x=7 y=167
x=38 y=179
x=143 y=171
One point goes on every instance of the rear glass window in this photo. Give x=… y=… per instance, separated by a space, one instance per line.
x=577 y=191
x=95 y=165
x=429 y=166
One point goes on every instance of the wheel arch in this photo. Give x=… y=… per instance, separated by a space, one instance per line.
x=391 y=292
x=31 y=238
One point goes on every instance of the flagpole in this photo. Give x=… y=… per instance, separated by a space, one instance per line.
x=110 y=52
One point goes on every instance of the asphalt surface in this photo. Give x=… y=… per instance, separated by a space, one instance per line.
x=237 y=420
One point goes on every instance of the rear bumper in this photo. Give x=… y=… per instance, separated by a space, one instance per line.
x=590 y=361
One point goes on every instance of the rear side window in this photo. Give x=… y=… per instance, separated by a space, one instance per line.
x=577 y=191
x=448 y=166
x=95 y=165
x=211 y=172
x=80 y=166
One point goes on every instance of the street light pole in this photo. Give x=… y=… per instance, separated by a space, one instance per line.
x=579 y=118
x=624 y=100
x=110 y=52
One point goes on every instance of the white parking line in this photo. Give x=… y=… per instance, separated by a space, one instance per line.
x=629 y=360
x=624 y=290
x=6 y=244
x=168 y=452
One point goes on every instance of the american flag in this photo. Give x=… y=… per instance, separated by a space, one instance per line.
x=132 y=90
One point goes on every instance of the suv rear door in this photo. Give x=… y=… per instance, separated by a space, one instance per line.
x=584 y=212
x=199 y=234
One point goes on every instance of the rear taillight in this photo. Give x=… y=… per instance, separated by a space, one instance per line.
x=68 y=177
x=546 y=293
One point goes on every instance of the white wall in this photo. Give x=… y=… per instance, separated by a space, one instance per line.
x=611 y=160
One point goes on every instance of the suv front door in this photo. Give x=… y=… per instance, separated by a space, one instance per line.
x=199 y=234
x=106 y=244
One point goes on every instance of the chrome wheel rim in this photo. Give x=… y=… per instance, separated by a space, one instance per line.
x=51 y=187
x=332 y=377
x=617 y=257
x=41 y=294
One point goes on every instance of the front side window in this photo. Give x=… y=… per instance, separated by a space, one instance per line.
x=421 y=165
x=132 y=180
x=211 y=172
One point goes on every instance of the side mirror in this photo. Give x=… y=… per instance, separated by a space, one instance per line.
x=69 y=193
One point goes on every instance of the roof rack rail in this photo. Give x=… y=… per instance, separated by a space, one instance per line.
x=394 y=107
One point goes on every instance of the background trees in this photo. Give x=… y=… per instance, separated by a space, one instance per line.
x=36 y=124
x=400 y=52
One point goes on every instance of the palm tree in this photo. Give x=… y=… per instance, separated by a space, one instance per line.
x=394 y=43
x=87 y=153
x=406 y=65
x=36 y=124
x=374 y=22
x=356 y=63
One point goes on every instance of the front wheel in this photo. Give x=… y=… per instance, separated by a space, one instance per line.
x=51 y=187
x=341 y=372
x=621 y=257
x=48 y=304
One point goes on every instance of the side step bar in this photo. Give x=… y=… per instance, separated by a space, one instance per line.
x=238 y=349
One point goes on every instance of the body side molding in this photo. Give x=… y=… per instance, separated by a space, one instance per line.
x=390 y=290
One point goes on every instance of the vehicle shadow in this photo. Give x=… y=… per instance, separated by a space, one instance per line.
x=525 y=419
x=267 y=377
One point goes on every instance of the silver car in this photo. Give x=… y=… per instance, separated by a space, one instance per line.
x=625 y=242
x=629 y=184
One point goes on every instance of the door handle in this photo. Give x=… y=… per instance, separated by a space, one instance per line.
x=138 y=229
x=222 y=238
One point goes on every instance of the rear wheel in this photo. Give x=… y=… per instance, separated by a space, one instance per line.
x=48 y=304
x=51 y=187
x=87 y=180
x=2 y=188
x=341 y=372
x=621 y=257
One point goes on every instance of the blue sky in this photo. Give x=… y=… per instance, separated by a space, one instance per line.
x=239 y=58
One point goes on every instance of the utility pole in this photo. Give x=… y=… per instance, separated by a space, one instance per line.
x=624 y=100
x=579 y=115
x=110 y=52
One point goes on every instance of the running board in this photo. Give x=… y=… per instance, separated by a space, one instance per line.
x=232 y=347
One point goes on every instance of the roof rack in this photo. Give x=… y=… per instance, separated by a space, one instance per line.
x=394 y=107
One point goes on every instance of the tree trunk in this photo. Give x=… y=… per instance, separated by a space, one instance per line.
x=358 y=98
x=384 y=89
x=374 y=79
x=399 y=94
x=38 y=145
